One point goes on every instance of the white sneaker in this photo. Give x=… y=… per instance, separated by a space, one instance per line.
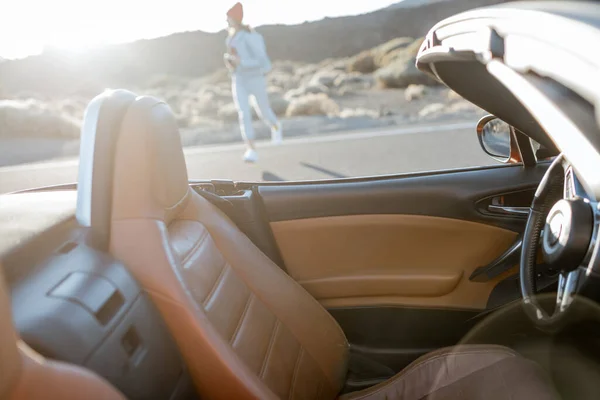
x=251 y=156
x=276 y=135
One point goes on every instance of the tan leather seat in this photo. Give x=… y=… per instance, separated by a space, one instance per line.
x=245 y=328
x=25 y=375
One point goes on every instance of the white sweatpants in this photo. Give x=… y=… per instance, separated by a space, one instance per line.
x=243 y=87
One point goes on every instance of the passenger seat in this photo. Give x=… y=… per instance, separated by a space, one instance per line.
x=26 y=375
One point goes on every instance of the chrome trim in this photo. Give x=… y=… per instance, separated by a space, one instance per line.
x=514 y=211
x=567 y=289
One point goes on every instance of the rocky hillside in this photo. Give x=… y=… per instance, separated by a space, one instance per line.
x=193 y=54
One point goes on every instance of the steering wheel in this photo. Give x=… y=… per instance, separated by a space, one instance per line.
x=565 y=226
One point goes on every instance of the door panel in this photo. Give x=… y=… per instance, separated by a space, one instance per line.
x=411 y=240
x=391 y=257
x=361 y=260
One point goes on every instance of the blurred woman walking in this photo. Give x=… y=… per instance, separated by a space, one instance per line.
x=248 y=62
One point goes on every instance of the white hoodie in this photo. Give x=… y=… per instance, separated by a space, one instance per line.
x=252 y=52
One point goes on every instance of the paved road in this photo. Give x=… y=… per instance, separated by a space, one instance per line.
x=387 y=151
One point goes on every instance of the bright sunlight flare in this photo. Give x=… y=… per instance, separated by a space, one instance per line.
x=30 y=26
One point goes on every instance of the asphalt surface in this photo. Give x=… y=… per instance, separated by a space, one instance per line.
x=340 y=155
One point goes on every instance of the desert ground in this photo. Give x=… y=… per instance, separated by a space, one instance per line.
x=376 y=88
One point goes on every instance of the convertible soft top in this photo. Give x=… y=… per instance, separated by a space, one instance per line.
x=549 y=41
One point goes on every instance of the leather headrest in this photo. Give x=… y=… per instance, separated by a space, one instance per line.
x=150 y=175
x=99 y=133
x=10 y=358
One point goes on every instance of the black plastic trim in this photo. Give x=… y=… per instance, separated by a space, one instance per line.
x=503 y=263
x=384 y=340
x=452 y=194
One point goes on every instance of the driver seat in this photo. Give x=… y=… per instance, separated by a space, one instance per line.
x=245 y=328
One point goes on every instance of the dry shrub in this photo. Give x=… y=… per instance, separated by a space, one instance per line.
x=359 y=112
x=32 y=118
x=414 y=92
x=313 y=104
x=401 y=74
x=286 y=67
x=283 y=80
x=325 y=78
x=432 y=109
x=364 y=63
x=402 y=71
x=304 y=90
x=274 y=90
x=278 y=103
x=386 y=52
x=219 y=76
x=354 y=80
x=306 y=71
x=228 y=112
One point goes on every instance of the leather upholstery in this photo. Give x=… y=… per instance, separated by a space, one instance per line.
x=245 y=329
x=451 y=373
x=400 y=260
x=24 y=374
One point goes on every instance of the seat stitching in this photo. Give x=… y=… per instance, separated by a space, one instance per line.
x=215 y=285
x=269 y=349
x=278 y=270
x=242 y=317
x=404 y=374
x=295 y=372
x=195 y=247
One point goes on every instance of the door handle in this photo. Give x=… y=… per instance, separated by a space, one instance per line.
x=511 y=211
x=503 y=263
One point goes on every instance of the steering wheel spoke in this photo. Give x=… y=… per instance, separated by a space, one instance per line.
x=567 y=288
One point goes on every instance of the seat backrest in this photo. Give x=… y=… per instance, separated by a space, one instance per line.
x=25 y=375
x=244 y=327
x=102 y=120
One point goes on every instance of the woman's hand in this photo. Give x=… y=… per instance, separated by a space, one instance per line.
x=231 y=61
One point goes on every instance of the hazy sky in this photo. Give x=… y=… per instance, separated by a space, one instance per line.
x=26 y=26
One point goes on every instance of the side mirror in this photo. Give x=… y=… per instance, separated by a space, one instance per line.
x=497 y=139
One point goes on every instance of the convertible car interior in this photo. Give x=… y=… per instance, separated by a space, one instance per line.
x=480 y=283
